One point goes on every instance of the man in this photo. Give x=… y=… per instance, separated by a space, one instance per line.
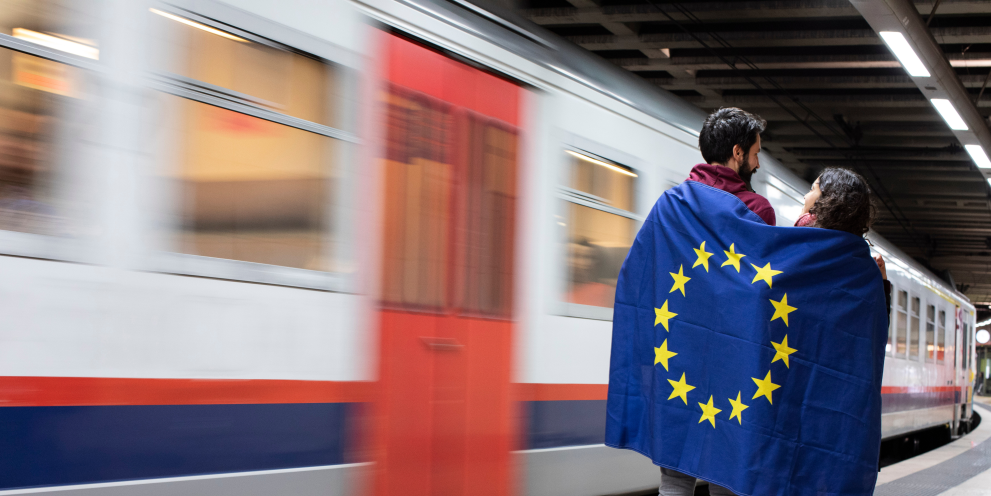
x=724 y=363
x=730 y=142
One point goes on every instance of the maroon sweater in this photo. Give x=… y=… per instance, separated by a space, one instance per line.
x=726 y=179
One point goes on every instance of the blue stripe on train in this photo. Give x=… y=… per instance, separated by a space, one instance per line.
x=45 y=446
x=552 y=424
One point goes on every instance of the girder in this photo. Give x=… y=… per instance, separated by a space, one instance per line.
x=730 y=11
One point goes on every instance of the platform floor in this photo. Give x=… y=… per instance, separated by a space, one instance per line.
x=961 y=468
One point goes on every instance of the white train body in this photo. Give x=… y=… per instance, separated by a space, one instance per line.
x=138 y=358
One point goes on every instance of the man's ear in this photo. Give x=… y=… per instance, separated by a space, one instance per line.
x=738 y=152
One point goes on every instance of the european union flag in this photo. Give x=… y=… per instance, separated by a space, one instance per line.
x=748 y=355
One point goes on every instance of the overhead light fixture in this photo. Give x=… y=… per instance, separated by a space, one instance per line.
x=197 y=25
x=949 y=113
x=970 y=63
x=596 y=161
x=57 y=43
x=977 y=153
x=910 y=61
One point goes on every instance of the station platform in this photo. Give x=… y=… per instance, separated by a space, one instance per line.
x=961 y=468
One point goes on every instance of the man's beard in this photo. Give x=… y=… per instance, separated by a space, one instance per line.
x=746 y=172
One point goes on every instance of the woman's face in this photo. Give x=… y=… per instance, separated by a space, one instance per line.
x=811 y=197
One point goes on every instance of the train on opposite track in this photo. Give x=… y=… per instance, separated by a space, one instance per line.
x=345 y=247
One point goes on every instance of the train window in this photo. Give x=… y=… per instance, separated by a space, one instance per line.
x=901 y=329
x=965 y=349
x=955 y=337
x=254 y=164
x=889 y=348
x=252 y=190
x=417 y=192
x=450 y=190
x=485 y=227
x=600 y=227
x=913 y=330
x=276 y=78
x=41 y=101
x=941 y=337
x=930 y=345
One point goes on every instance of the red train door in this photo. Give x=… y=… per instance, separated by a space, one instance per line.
x=444 y=417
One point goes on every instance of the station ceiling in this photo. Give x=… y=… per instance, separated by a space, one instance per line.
x=833 y=95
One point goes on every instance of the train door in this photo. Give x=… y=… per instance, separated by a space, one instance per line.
x=445 y=425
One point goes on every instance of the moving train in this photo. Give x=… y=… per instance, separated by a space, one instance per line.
x=343 y=247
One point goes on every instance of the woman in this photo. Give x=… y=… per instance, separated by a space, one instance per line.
x=840 y=199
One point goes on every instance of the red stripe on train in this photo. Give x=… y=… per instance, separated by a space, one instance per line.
x=560 y=392
x=93 y=391
x=919 y=389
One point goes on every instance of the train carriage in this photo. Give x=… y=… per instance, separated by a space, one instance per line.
x=340 y=247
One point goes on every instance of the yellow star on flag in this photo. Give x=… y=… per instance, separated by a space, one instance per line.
x=782 y=350
x=781 y=309
x=679 y=281
x=703 y=257
x=764 y=387
x=662 y=315
x=661 y=355
x=738 y=408
x=732 y=257
x=709 y=412
x=681 y=389
x=764 y=273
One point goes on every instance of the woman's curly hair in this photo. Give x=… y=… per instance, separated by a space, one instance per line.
x=845 y=202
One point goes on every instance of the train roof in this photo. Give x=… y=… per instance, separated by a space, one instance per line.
x=508 y=30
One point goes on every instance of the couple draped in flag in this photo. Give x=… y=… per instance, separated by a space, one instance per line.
x=745 y=354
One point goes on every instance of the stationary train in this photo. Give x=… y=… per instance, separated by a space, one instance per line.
x=344 y=247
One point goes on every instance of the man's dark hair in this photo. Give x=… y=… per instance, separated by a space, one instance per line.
x=845 y=203
x=727 y=127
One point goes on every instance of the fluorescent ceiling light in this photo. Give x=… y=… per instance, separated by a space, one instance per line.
x=980 y=158
x=910 y=61
x=197 y=25
x=57 y=43
x=607 y=165
x=971 y=63
x=949 y=114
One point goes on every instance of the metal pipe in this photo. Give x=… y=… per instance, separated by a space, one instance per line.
x=933 y=13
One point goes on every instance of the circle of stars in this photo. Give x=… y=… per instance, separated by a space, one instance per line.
x=663 y=316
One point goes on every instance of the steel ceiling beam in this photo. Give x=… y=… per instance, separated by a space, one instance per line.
x=746 y=39
x=868 y=141
x=894 y=115
x=867 y=61
x=834 y=102
x=897 y=165
x=789 y=130
x=812 y=82
x=733 y=12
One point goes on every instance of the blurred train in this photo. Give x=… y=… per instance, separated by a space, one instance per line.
x=343 y=247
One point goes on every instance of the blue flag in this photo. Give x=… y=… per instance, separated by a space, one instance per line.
x=748 y=355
